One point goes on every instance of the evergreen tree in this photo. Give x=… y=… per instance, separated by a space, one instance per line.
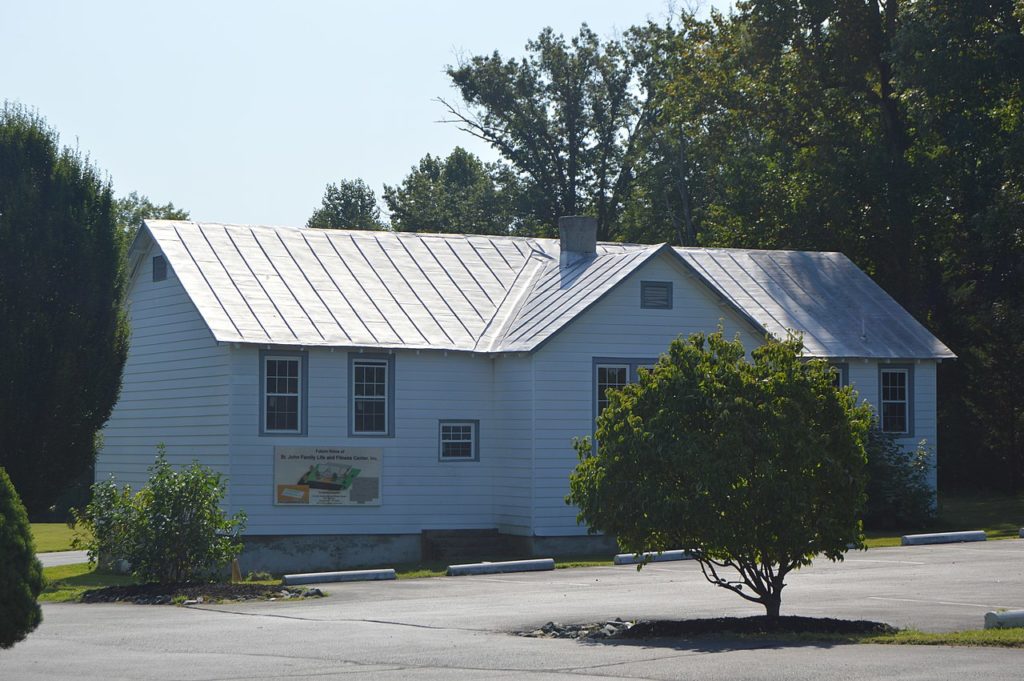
x=21 y=575
x=65 y=337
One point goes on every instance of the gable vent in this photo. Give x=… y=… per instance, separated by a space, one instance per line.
x=159 y=268
x=656 y=295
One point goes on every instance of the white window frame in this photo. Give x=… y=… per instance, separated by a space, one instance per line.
x=387 y=363
x=632 y=366
x=841 y=371
x=907 y=401
x=598 y=396
x=474 y=440
x=299 y=394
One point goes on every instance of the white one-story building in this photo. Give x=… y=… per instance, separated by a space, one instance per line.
x=363 y=392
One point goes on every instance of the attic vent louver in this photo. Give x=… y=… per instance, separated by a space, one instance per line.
x=159 y=268
x=656 y=295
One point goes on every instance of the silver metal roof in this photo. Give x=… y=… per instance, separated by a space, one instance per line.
x=840 y=311
x=310 y=287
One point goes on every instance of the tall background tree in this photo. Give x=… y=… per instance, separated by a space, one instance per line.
x=132 y=209
x=890 y=130
x=64 y=338
x=564 y=117
x=349 y=204
x=460 y=194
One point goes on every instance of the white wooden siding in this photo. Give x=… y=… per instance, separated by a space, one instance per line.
x=513 y=432
x=563 y=373
x=864 y=379
x=174 y=388
x=417 y=491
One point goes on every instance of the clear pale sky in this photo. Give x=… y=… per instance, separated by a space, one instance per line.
x=243 y=111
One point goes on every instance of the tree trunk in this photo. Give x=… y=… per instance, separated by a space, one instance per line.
x=772 y=604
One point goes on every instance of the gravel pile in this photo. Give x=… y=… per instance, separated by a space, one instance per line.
x=595 y=630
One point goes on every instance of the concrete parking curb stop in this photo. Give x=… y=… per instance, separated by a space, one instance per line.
x=345 y=576
x=502 y=566
x=1004 y=620
x=652 y=557
x=942 y=538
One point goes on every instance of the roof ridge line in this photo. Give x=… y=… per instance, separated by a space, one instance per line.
x=516 y=302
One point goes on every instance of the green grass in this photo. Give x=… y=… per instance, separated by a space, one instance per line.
x=1002 y=638
x=66 y=583
x=992 y=638
x=1000 y=516
x=52 y=537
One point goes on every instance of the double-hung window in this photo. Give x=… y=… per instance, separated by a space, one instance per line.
x=459 y=441
x=612 y=374
x=609 y=377
x=896 y=391
x=372 y=401
x=283 y=378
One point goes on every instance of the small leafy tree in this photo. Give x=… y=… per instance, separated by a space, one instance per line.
x=172 y=530
x=897 y=488
x=754 y=466
x=21 y=575
x=350 y=204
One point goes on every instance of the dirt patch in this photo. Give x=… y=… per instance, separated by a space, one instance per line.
x=192 y=594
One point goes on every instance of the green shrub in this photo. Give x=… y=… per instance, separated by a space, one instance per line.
x=172 y=530
x=898 y=492
x=755 y=467
x=21 y=575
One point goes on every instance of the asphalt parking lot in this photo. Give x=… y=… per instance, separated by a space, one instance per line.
x=458 y=628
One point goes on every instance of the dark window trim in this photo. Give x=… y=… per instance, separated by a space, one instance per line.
x=634 y=363
x=909 y=370
x=354 y=357
x=159 y=268
x=645 y=285
x=476 y=440
x=844 y=372
x=303 y=358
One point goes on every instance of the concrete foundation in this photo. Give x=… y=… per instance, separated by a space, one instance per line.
x=327 y=553
x=562 y=547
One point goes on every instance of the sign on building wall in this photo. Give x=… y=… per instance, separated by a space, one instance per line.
x=327 y=476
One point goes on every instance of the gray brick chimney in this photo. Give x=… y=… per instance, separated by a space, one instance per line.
x=577 y=236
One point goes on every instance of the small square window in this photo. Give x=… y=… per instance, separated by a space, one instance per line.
x=459 y=441
x=159 y=268
x=656 y=295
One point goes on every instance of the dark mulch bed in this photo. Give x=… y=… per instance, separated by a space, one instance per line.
x=715 y=626
x=753 y=625
x=165 y=594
